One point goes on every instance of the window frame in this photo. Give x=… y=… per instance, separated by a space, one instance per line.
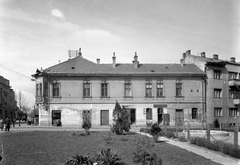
x=57 y=88
x=104 y=90
x=217 y=93
x=128 y=90
x=160 y=89
x=177 y=89
x=233 y=112
x=217 y=74
x=148 y=89
x=88 y=89
x=194 y=113
x=218 y=112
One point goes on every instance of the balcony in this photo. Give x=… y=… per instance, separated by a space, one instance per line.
x=232 y=83
x=236 y=102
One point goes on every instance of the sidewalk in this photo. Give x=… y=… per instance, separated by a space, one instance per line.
x=212 y=155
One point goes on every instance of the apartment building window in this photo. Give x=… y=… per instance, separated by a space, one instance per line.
x=149 y=113
x=86 y=89
x=179 y=90
x=218 y=93
x=39 y=89
x=218 y=112
x=104 y=89
x=232 y=75
x=194 y=113
x=233 y=112
x=217 y=74
x=127 y=88
x=234 y=94
x=56 y=89
x=159 y=89
x=149 y=89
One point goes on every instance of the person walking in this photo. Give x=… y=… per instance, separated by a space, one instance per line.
x=1 y=124
x=7 y=122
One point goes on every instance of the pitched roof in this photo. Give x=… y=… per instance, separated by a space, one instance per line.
x=80 y=65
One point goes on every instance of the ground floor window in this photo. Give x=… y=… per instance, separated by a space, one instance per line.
x=233 y=112
x=194 y=113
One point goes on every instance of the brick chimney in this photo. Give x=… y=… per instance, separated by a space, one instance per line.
x=182 y=62
x=203 y=54
x=98 y=61
x=232 y=59
x=188 y=52
x=183 y=55
x=114 y=60
x=80 y=52
x=215 y=56
x=135 y=62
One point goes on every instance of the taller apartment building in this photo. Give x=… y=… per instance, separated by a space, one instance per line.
x=222 y=86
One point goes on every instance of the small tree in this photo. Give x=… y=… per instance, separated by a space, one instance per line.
x=86 y=126
x=121 y=120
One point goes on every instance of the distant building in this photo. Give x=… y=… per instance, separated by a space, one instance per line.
x=78 y=88
x=223 y=86
x=8 y=105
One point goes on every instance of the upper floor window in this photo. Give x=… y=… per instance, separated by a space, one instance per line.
x=148 y=89
x=233 y=94
x=232 y=75
x=218 y=93
x=56 y=89
x=217 y=74
x=233 y=112
x=179 y=89
x=46 y=89
x=86 y=89
x=104 y=89
x=218 y=112
x=159 y=89
x=39 y=89
x=127 y=88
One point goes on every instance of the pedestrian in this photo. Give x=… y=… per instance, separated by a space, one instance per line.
x=1 y=124
x=8 y=123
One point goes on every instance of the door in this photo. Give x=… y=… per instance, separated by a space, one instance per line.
x=160 y=115
x=133 y=116
x=104 y=117
x=56 y=115
x=179 y=117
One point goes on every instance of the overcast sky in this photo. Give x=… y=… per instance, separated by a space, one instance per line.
x=38 y=33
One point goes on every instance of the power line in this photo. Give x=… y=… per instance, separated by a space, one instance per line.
x=11 y=70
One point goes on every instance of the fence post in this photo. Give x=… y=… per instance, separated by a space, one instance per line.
x=236 y=136
x=188 y=135
x=208 y=133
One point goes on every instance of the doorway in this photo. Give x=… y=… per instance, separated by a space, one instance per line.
x=160 y=115
x=179 y=117
x=104 y=117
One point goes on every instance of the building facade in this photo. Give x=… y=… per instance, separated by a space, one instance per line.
x=169 y=94
x=8 y=105
x=223 y=86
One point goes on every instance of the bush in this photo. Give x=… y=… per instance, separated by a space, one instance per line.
x=143 y=153
x=86 y=124
x=182 y=138
x=79 y=160
x=216 y=123
x=226 y=148
x=169 y=134
x=108 y=156
x=155 y=131
x=121 y=120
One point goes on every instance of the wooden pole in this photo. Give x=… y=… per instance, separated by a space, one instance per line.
x=188 y=135
x=208 y=133
x=236 y=135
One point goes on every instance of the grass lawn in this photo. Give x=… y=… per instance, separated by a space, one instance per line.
x=56 y=147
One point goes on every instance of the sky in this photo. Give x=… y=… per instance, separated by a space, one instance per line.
x=38 y=33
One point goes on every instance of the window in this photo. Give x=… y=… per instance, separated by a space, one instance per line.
x=194 y=113
x=217 y=74
x=233 y=112
x=127 y=89
x=86 y=89
x=178 y=89
x=234 y=94
x=218 y=112
x=46 y=89
x=56 y=89
x=148 y=89
x=104 y=89
x=159 y=89
x=232 y=75
x=39 y=89
x=217 y=93
x=149 y=113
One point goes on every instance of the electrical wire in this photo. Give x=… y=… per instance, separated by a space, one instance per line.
x=11 y=70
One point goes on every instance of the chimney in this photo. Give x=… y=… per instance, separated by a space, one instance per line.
x=232 y=59
x=98 y=61
x=135 y=62
x=80 y=52
x=114 y=60
x=188 y=52
x=215 y=57
x=182 y=62
x=184 y=55
x=203 y=54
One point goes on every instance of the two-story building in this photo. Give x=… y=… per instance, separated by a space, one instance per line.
x=8 y=105
x=78 y=88
x=223 y=86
